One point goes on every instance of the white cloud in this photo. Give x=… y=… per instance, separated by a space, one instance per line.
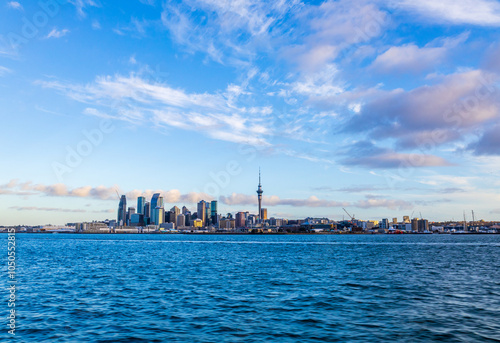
x=4 y=70
x=96 y=25
x=81 y=5
x=134 y=99
x=242 y=199
x=330 y=29
x=55 y=33
x=46 y=209
x=397 y=160
x=15 y=5
x=447 y=180
x=227 y=31
x=408 y=58
x=432 y=115
x=411 y=58
x=475 y=12
x=100 y=192
x=384 y=203
x=321 y=83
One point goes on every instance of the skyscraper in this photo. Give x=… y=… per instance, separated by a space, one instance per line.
x=181 y=220
x=259 y=196
x=263 y=214
x=140 y=204
x=202 y=211
x=147 y=213
x=208 y=220
x=240 y=219
x=159 y=215
x=130 y=212
x=176 y=211
x=156 y=201
x=213 y=211
x=122 y=211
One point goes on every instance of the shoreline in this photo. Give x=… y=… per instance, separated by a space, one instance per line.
x=261 y=234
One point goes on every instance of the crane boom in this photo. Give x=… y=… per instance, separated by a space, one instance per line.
x=352 y=217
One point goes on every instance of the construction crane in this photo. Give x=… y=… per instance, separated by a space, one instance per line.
x=352 y=217
x=118 y=194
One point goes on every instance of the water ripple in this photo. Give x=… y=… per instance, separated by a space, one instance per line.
x=308 y=288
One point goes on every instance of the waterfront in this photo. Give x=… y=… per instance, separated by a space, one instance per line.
x=257 y=288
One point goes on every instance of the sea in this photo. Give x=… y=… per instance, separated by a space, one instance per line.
x=254 y=288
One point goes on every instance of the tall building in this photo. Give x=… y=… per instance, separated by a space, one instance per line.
x=122 y=211
x=423 y=225
x=140 y=204
x=414 y=224
x=208 y=221
x=156 y=201
x=147 y=213
x=213 y=211
x=259 y=196
x=202 y=211
x=263 y=214
x=384 y=224
x=187 y=220
x=159 y=215
x=176 y=211
x=184 y=210
x=240 y=219
x=130 y=212
x=181 y=220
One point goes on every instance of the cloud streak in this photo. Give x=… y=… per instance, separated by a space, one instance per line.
x=134 y=99
x=473 y=12
x=174 y=196
x=46 y=209
x=4 y=71
x=313 y=201
x=55 y=33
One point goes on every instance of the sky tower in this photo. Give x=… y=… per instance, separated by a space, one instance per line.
x=259 y=196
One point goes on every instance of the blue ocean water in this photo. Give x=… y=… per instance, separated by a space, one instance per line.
x=256 y=288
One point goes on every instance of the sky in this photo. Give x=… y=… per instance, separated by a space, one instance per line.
x=384 y=108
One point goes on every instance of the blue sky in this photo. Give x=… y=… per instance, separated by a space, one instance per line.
x=386 y=108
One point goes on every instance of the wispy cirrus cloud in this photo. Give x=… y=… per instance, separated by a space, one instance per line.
x=473 y=12
x=55 y=33
x=81 y=5
x=330 y=28
x=226 y=31
x=219 y=115
x=4 y=71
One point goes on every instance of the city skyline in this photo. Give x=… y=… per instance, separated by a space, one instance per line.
x=384 y=108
